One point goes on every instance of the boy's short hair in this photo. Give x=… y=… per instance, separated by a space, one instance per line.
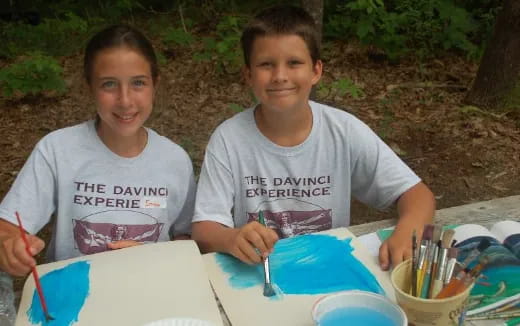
x=281 y=20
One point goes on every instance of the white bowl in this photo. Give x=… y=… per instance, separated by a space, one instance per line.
x=360 y=299
x=180 y=322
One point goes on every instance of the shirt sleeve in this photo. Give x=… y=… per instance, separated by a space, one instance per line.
x=33 y=193
x=215 y=191
x=379 y=176
x=182 y=224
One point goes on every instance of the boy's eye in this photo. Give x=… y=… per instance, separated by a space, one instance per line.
x=295 y=62
x=264 y=64
x=108 y=84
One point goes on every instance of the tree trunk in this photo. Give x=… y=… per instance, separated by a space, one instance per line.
x=315 y=9
x=497 y=85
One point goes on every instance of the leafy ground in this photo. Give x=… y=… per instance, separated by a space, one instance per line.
x=464 y=154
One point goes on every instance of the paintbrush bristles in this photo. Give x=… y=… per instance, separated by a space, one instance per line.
x=428 y=232
x=436 y=234
x=447 y=236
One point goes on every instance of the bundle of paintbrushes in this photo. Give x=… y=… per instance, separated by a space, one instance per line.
x=436 y=273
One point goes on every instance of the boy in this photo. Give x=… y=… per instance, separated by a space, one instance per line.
x=297 y=161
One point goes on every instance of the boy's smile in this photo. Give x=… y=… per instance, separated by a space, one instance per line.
x=281 y=73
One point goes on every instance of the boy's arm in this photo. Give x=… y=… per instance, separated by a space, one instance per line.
x=14 y=258
x=240 y=242
x=416 y=208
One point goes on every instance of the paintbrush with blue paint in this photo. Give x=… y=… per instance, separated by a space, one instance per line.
x=268 y=287
x=48 y=317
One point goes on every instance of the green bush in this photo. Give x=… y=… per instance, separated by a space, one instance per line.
x=224 y=48
x=53 y=36
x=32 y=75
x=426 y=27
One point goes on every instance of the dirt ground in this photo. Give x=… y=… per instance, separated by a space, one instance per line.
x=463 y=154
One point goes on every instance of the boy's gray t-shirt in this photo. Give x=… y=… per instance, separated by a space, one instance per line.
x=98 y=196
x=300 y=189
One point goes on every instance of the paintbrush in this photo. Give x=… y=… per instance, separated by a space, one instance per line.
x=456 y=282
x=423 y=253
x=443 y=260
x=268 y=287
x=34 y=272
x=450 y=266
x=414 y=263
x=433 y=252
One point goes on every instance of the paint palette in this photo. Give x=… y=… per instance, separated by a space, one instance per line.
x=131 y=286
x=303 y=269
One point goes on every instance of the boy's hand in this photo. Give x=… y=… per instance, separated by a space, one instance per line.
x=395 y=249
x=252 y=242
x=14 y=258
x=123 y=244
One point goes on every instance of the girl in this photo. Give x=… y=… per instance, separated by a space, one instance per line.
x=111 y=182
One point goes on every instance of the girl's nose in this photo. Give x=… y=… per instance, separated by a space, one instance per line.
x=124 y=96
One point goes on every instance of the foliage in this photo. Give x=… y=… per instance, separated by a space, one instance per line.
x=33 y=75
x=400 y=26
x=54 y=36
x=177 y=36
x=224 y=47
x=340 y=87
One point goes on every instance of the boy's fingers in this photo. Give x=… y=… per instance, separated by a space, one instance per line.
x=384 y=256
x=249 y=251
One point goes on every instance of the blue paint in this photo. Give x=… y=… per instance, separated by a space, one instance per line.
x=306 y=264
x=65 y=292
x=355 y=316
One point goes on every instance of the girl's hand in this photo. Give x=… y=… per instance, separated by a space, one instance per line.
x=252 y=242
x=14 y=258
x=123 y=244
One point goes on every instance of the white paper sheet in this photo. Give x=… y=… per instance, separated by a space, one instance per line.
x=249 y=307
x=138 y=285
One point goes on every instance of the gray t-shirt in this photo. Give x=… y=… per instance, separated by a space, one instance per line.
x=98 y=196
x=300 y=189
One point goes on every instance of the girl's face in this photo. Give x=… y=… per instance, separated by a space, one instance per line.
x=123 y=89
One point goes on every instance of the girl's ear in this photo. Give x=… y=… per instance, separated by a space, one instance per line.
x=156 y=85
x=318 y=70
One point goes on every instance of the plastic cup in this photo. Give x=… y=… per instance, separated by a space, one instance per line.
x=358 y=299
x=427 y=312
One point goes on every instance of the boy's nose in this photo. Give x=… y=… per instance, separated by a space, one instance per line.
x=280 y=74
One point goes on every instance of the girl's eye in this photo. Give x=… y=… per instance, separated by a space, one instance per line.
x=264 y=64
x=138 y=83
x=294 y=62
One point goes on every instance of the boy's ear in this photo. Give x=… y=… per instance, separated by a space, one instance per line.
x=318 y=70
x=246 y=74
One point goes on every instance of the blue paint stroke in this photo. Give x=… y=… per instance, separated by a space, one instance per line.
x=65 y=292
x=306 y=264
x=355 y=316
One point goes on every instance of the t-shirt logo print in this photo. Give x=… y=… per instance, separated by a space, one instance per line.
x=93 y=232
x=291 y=216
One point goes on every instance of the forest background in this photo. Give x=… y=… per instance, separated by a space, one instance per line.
x=408 y=68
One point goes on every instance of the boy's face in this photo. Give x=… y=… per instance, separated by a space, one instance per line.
x=281 y=73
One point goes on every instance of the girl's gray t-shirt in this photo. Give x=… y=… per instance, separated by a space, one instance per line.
x=98 y=196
